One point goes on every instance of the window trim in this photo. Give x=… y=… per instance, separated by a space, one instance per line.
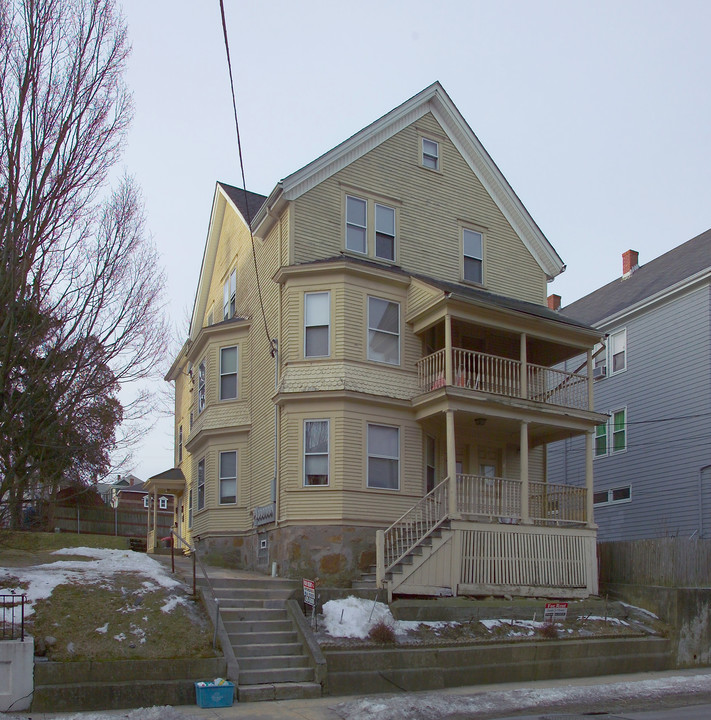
x=235 y=373
x=464 y=256
x=146 y=501
x=369 y=329
x=597 y=435
x=190 y=508
x=327 y=453
x=200 y=499
x=423 y=154
x=610 y=500
x=611 y=439
x=383 y=457
x=163 y=503
x=221 y=477
x=327 y=326
x=611 y=355
x=202 y=387
x=377 y=205
x=229 y=295
x=180 y=444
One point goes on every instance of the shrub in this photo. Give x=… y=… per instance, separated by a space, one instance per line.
x=549 y=631
x=382 y=633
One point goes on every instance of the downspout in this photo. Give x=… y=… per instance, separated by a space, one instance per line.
x=701 y=501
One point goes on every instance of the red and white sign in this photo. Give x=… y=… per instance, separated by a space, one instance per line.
x=555 y=612
x=309 y=592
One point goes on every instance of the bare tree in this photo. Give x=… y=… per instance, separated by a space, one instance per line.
x=80 y=282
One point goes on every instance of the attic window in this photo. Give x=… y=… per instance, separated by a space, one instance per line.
x=430 y=154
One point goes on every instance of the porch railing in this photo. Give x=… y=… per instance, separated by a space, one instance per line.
x=556 y=504
x=493 y=497
x=502 y=376
x=413 y=527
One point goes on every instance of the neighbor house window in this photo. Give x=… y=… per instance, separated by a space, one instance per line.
x=383 y=331
x=619 y=430
x=163 y=503
x=229 y=296
x=228 y=373
x=612 y=496
x=201 y=387
x=599 y=361
x=316 y=452
x=145 y=501
x=601 y=440
x=201 y=484
x=317 y=313
x=228 y=477
x=383 y=457
x=473 y=248
x=618 y=351
x=180 y=444
x=384 y=232
x=356 y=224
x=430 y=154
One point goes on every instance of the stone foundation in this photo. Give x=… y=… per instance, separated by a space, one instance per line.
x=335 y=555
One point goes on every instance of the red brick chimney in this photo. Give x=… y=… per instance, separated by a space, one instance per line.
x=630 y=262
x=554 y=302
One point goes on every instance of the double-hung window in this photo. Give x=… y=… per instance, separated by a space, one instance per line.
x=201 y=484
x=229 y=296
x=180 y=444
x=473 y=250
x=601 y=440
x=383 y=457
x=201 y=387
x=430 y=154
x=316 y=452
x=356 y=225
x=618 y=426
x=163 y=503
x=228 y=477
x=317 y=313
x=190 y=508
x=383 y=331
x=228 y=373
x=618 y=351
x=384 y=232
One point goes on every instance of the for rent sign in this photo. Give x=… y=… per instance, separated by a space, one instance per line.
x=309 y=592
x=555 y=612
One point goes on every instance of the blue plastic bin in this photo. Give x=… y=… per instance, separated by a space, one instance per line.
x=215 y=696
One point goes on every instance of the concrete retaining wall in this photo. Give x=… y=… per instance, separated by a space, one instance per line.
x=412 y=669
x=16 y=663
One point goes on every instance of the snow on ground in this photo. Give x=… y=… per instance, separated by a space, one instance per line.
x=103 y=563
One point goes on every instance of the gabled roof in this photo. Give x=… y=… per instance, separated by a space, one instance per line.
x=247 y=202
x=659 y=276
x=435 y=100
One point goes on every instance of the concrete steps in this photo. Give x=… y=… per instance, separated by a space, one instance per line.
x=272 y=661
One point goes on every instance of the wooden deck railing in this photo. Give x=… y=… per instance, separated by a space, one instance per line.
x=492 y=497
x=556 y=504
x=502 y=376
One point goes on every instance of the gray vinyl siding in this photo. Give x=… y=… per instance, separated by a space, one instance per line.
x=666 y=391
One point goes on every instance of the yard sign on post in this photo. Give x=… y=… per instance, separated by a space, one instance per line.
x=555 y=612
x=310 y=597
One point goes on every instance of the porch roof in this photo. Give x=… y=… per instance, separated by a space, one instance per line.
x=171 y=482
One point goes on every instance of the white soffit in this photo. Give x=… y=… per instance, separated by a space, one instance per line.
x=433 y=99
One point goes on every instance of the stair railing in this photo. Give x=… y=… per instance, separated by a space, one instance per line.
x=409 y=530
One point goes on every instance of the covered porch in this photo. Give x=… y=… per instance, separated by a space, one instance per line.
x=170 y=482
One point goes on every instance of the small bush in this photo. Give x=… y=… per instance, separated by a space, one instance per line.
x=382 y=633
x=549 y=631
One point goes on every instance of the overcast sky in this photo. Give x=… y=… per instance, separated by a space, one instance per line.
x=597 y=113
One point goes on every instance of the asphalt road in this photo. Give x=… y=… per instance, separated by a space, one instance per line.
x=689 y=712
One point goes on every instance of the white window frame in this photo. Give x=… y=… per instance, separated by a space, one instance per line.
x=429 y=159
x=200 y=499
x=202 y=387
x=375 y=456
x=180 y=444
x=600 y=360
x=162 y=503
x=466 y=256
x=611 y=343
x=229 y=296
x=308 y=295
x=190 y=508
x=384 y=332
x=596 y=454
x=224 y=374
x=612 y=432
x=145 y=501
x=318 y=454
x=225 y=478
x=610 y=496
x=380 y=233
x=351 y=223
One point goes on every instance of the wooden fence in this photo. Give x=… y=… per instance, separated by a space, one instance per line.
x=107 y=521
x=669 y=562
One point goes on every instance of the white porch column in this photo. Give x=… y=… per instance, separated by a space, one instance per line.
x=525 y=511
x=591 y=402
x=451 y=462
x=524 y=367
x=589 y=480
x=448 y=374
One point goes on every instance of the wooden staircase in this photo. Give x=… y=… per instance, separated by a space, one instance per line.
x=273 y=663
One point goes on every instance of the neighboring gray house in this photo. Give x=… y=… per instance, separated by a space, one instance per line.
x=652 y=460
